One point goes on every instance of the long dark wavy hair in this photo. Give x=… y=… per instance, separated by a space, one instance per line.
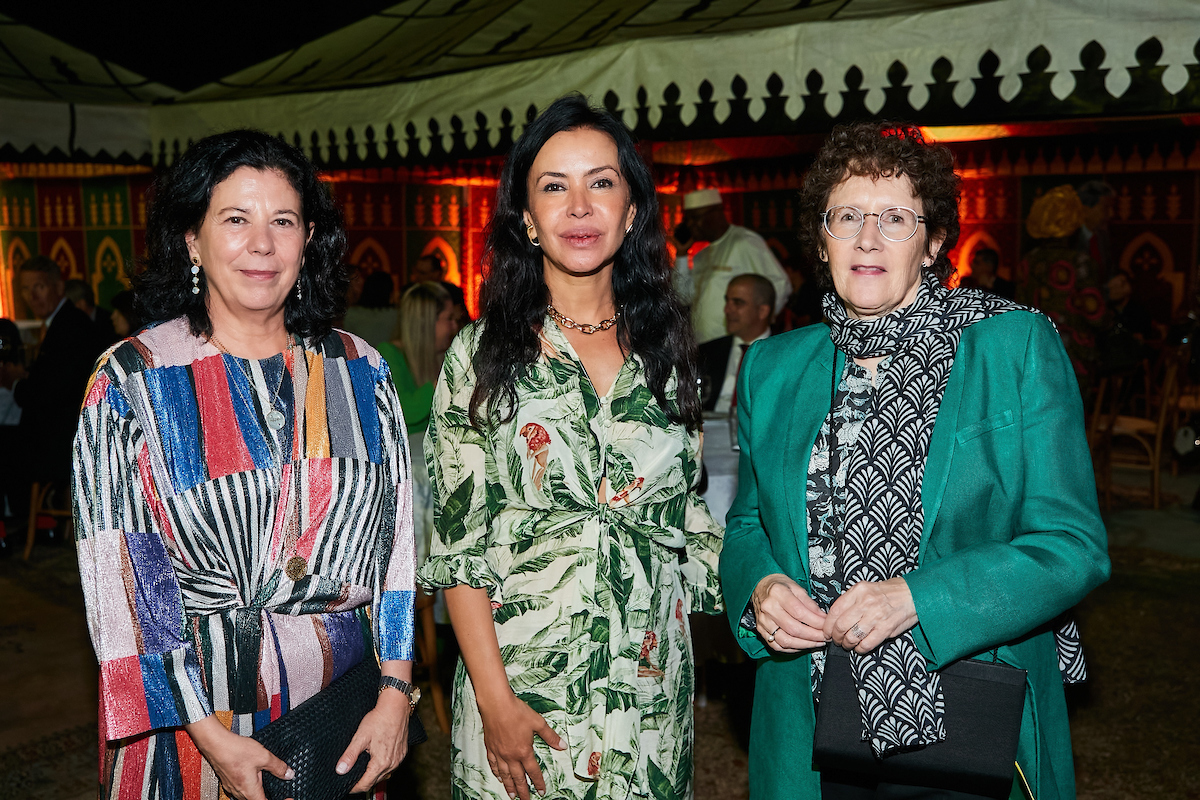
x=180 y=200
x=882 y=149
x=653 y=323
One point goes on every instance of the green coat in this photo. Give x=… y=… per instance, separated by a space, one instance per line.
x=1012 y=533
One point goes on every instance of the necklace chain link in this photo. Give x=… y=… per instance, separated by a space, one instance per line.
x=582 y=327
x=296 y=567
x=272 y=421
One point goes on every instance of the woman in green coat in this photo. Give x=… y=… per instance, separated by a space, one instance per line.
x=915 y=486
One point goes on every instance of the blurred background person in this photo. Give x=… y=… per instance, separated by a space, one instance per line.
x=431 y=267
x=749 y=306
x=984 y=264
x=803 y=306
x=732 y=251
x=428 y=267
x=52 y=391
x=1098 y=199
x=427 y=325
x=374 y=316
x=12 y=367
x=1060 y=279
x=126 y=320
x=83 y=298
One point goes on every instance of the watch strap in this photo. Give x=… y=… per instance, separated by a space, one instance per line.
x=387 y=681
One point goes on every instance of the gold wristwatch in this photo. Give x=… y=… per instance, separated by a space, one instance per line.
x=413 y=693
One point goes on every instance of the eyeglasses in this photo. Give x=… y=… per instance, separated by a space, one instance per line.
x=897 y=224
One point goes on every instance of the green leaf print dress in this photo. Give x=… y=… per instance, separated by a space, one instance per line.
x=578 y=517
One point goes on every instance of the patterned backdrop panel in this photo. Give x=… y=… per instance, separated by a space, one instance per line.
x=93 y=228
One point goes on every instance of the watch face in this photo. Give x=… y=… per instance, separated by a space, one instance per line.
x=416 y=695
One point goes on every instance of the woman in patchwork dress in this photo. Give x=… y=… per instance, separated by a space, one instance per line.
x=242 y=489
x=564 y=447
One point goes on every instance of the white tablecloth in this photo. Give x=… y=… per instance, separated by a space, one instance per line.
x=722 y=464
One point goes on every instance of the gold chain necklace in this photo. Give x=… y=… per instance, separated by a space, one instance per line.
x=582 y=327
x=275 y=417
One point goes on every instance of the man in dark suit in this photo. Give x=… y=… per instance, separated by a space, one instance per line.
x=51 y=394
x=749 y=306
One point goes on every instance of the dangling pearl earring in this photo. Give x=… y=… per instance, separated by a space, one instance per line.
x=533 y=239
x=195 y=274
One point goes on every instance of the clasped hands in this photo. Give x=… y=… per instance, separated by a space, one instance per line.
x=866 y=614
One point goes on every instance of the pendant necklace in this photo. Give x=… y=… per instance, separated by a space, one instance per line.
x=275 y=417
x=582 y=327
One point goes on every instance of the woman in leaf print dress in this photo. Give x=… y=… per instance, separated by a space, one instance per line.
x=564 y=446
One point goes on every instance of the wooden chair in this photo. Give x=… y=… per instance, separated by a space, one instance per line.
x=426 y=635
x=1139 y=443
x=39 y=497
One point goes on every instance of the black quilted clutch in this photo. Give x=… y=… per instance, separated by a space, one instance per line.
x=312 y=736
x=984 y=702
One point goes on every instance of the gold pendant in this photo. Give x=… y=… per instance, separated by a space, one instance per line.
x=296 y=568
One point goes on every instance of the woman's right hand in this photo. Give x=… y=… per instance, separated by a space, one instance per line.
x=237 y=760
x=508 y=729
x=787 y=619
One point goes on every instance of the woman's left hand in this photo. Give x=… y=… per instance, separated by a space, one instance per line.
x=384 y=734
x=870 y=612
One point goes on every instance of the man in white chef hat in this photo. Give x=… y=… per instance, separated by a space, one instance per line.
x=732 y=250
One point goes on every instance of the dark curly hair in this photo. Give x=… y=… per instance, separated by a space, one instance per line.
x=179 y=203
x=882 y=149
x=653 y=323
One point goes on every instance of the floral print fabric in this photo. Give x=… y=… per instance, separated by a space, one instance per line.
x=578 y=517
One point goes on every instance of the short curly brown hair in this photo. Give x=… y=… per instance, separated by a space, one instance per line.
x=882 y=149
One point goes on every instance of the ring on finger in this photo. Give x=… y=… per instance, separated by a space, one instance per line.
x=771 y=635
x=858 y=632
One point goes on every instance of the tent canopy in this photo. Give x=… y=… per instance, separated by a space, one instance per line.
x=434 y=79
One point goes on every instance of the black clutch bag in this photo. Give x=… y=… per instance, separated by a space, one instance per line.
x=312 y=737
x=984 y=703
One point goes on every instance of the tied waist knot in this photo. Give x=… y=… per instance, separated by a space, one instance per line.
x=212 y=594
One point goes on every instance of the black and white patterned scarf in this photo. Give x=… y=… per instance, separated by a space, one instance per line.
x=901 y=701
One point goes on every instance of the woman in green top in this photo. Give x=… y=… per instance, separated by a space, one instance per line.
x=427 y=324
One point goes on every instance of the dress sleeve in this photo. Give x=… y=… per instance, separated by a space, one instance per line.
x=457 y=455
x=995 y=591
x=150 y=675
x=746 y=557
x=395 y=583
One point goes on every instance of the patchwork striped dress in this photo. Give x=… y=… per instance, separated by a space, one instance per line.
x=229 y=568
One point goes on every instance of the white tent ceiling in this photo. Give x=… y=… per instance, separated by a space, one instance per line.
x=438 y=60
